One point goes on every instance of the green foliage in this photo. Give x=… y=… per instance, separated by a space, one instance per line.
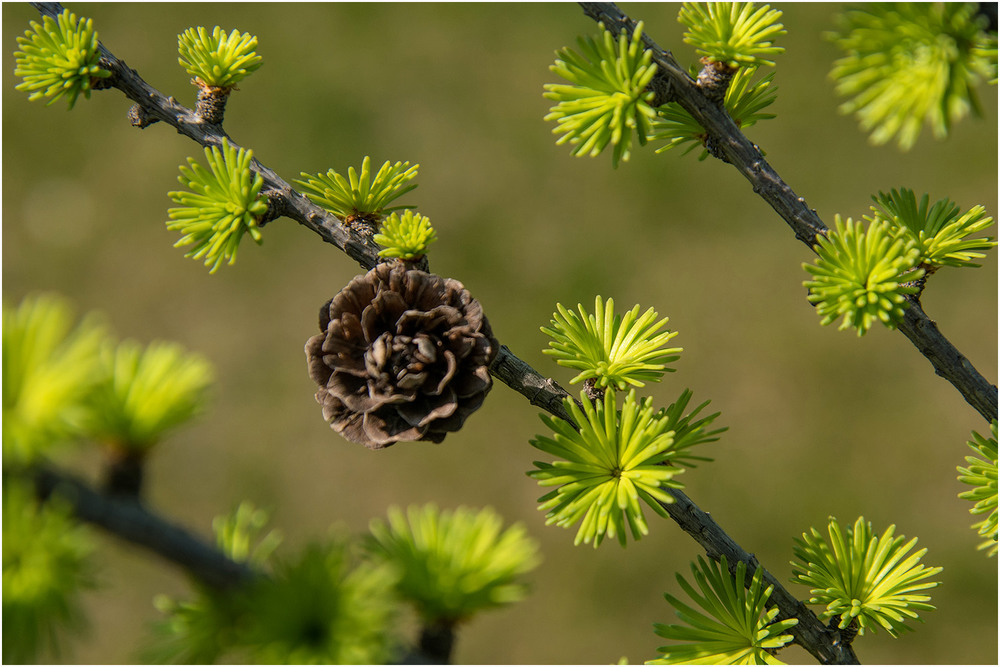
x=59 y=58
x=907 y=64
x=223 y=205
x=745 y=101
x=603 y=470
x=195 y=632
x=319 y=609
x=863 y=274
x=49 y=368
x=737 y=628
x=218 y=60
x=689 y=431
x=145 y=392
x=405 y=236
x=863 y=578
x=361 y=195
x=315 y=608
x=236 y=533
x=202 y=630
x=940 y=232
x=453 y=565
x=614 y=350
x=982 y=475
x=735 y=33
x=46 y=564
x=987 y=51
x=607 y=97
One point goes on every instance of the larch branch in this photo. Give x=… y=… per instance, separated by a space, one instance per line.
x=732 y=146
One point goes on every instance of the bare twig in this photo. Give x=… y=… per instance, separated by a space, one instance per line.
x=525 y=380
x=131 y=521
x=732 y=146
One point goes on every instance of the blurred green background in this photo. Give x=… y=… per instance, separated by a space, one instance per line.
x=820 y=422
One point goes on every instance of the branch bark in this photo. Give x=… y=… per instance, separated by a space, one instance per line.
x=732 y=146
x=131 y=521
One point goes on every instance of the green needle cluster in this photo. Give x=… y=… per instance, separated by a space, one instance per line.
x=454 y=564
x=314 y=607
x=144 y=392
x=46 y=565
x=735 y=626
x=864 y=578
x=607 y=99
x=59 y=58
x=863 y=275
x=940 y=231
x=65 y=383
x=405 y=236
x=49 y=368
x=908 y=64
x=320 y=608
x=224 y=204
x=603 y=470
x=735 y=33
x=361 y=194
x=982 y=475
x=608 y=460
x=609 y=94
x=218 y=60
x=613 y=350
x=203 y=629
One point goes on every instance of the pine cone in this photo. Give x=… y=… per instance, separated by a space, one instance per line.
x=402 y=355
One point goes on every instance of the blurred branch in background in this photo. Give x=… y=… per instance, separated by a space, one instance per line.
x=133 y=522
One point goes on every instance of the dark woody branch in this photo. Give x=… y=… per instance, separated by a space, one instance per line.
x=729 y=144
x=823 y=642
x=131 y=521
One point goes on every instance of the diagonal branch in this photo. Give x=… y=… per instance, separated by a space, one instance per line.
x=821 y=641
x=134 y=523
x=131 y=521
x=153 y=106
x=730 y=145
